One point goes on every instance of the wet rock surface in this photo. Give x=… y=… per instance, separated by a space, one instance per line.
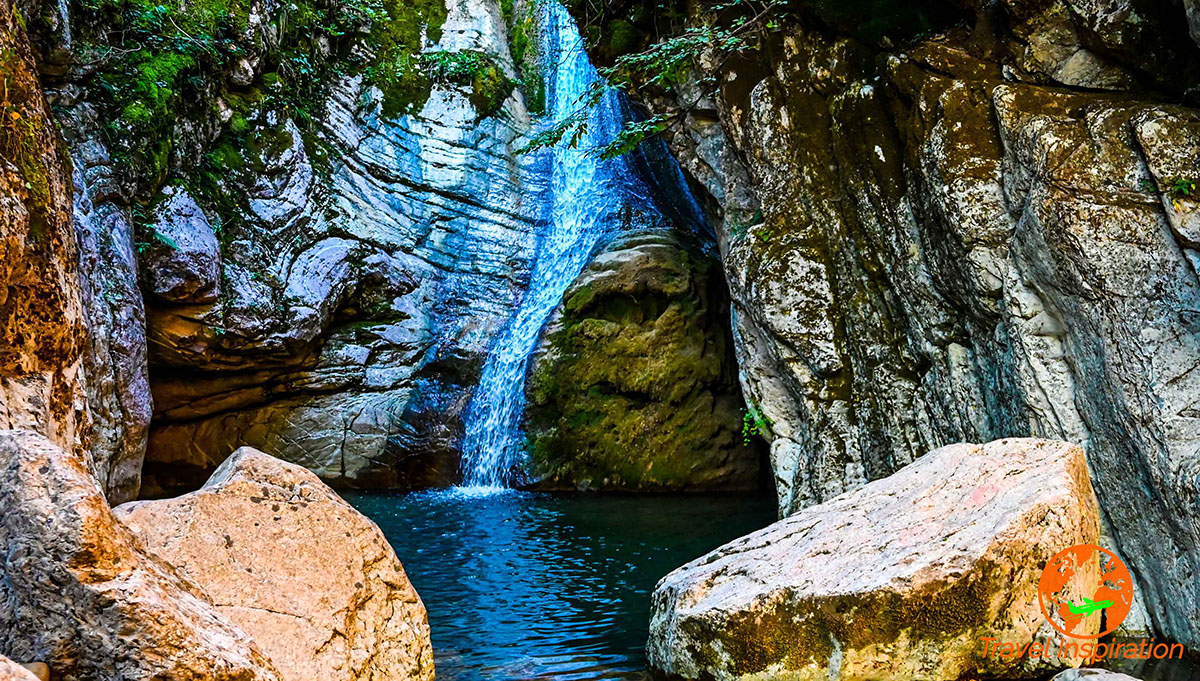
x=312 y=581
x=374 y=258
x=634 y=386
x=898 y=579
x=81 y=593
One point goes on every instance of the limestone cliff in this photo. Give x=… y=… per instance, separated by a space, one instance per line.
x=66 y=370
x=41 y=314
x=984 y=227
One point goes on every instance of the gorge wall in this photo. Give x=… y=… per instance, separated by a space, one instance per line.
x=986 y=229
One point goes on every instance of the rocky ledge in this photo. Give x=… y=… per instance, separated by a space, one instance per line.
x=898 y=579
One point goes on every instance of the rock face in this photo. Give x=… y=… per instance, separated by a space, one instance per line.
x=115 y=356
x=184 y=262
x=309 y=578
x=898 y=579
x=72 y=357
x=372 y=258
x=80 y=593
x=41 y=312
x=939 y=243
x=635 y=384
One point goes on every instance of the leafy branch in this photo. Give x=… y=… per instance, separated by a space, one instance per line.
x=662 y=68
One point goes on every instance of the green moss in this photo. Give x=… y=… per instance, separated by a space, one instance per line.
x=160 y=60
x=623 y=37
x=22 y=141
x=794 y=634
x=638 y=390
x=522 y=46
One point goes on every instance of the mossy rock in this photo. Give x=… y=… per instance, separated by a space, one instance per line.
x=635 y=385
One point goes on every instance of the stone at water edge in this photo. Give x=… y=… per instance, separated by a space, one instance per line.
x=312 y=580
x=898 y=579
x=11 y=671
x=80 y=592
x=634 y=385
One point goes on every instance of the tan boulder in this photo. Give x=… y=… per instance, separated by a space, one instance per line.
x=312 y=580
x=80 y=592
x=899 y=579
x=11 y=671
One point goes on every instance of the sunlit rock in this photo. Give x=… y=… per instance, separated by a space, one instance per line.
x=898 y=579
x=80 y=592
x=11 y=671
x=309 y=578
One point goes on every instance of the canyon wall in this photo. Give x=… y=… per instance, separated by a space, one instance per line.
x=316 y=274
x=983 y=230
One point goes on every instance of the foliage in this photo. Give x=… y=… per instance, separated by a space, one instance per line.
x=654 y=52
x=489 y=86
x=724 y=31
x=156 y=61
x=755 y=423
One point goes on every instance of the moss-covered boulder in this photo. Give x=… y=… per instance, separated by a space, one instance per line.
x=904 y=578
x=635 y=386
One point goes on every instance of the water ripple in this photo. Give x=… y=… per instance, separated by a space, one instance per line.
x=553 y=587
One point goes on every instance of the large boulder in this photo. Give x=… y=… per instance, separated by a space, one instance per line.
x=899 y=579
x=80 y=593
x=313 y=581
x=635 y=385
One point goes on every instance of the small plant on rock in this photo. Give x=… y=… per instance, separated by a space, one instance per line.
x=754 y=423
x=1180 y=189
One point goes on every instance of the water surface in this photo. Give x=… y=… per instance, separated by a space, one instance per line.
x=537 y=586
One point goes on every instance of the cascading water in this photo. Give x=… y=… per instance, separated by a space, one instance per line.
x=585 y=198
x=64 y=14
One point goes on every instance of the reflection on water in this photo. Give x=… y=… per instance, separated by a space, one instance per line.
x=537 y=586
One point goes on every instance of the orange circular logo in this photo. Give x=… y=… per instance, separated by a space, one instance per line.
x=1083 y=588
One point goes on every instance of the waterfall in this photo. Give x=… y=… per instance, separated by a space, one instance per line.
x=64 y=13
x=585 y=197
